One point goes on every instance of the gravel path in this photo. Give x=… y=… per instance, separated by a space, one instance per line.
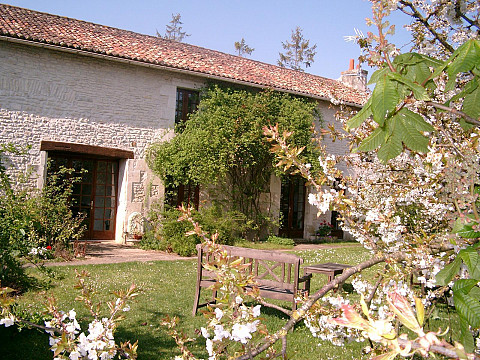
x=109 y=252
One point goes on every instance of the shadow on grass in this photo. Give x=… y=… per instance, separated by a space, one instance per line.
x=25 y=345
x=153 y=338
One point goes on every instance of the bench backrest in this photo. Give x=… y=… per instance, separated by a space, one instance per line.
x=270 y=268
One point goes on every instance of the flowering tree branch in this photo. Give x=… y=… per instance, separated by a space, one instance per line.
x=417 y=15
x=468 y=119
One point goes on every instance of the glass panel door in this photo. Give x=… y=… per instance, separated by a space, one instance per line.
x=292 y=206
x=95 y=195
x=104 y=202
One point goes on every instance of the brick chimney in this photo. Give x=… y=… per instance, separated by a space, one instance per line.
x=354 y=78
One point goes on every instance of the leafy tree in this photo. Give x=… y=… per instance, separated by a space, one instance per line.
x=242 y=48
x=174 y=29
x=298 y=52
x=223 y=145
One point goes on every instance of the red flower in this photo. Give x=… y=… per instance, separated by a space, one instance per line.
x=49 y=247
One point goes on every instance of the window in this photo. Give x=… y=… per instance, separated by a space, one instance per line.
x=188 y=195
x=185 y=194
x=187 y=103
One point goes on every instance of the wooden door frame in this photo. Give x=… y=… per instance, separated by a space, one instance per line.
x=288 y=231
x=70 y=156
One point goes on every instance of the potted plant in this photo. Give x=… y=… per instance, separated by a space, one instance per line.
x=135 y=225
x=325 y=229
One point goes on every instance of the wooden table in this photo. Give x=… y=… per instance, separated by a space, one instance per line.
x=329 y=269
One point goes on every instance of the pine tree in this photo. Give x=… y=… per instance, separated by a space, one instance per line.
x=242 y=48
x=298 y=52
x=174 y=29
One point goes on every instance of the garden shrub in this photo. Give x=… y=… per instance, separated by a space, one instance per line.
x=32 y=219
x=165 y=232
x=54 y=223
x=280 y=240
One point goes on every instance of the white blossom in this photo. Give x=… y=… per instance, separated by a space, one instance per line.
x=8 y=321
x=218 y=314
x=256 y=311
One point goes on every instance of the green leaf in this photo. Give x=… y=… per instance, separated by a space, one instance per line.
x=439 y=69
x=416 y=58
x=451 y=83
x=377 y=75
x=384 y=99
x=422 y=73
x=419 y=91
x=463 y=226
x=468 y=89
x=471 y=258
x=466 y=336
x=416 y=120
x=361 y=116
x=475 y=292
x=471 y=104
x=392 y=124
x=390 y=149
x=468 y=308
x=412 y=138
x=465 y=58
x=446 y=275
x=464 y=285
x=373 y=141
x=465 y=126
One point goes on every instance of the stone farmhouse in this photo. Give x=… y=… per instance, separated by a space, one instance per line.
x=94 y=97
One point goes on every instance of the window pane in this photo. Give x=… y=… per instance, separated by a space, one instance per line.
x=99 y=201
x=98 y=225
x=102 y=166
x=85 y=201
x=101 y=178
x=109 y=202
x=108 y=213
x=108 y=178
x=98 y=213
x=86 y=189
x=76 y=188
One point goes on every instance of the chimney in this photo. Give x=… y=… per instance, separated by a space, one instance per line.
x=354 y=78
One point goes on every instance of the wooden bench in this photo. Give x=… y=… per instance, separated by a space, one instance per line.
x=276 y=273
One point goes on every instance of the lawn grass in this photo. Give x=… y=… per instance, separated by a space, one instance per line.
x=167 y=288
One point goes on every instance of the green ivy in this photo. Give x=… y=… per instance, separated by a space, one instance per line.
x=223 y=145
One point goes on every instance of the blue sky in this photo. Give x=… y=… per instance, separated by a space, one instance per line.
x=217 y=24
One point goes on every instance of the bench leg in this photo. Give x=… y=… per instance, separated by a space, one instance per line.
x=214 y=296
x=197 y=299
x=306 y=287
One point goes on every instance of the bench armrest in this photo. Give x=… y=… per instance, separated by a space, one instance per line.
x=305 y=278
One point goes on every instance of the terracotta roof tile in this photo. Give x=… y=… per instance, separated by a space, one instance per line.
x=65 y=32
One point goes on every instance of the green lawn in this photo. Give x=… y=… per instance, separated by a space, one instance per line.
x=167 y=288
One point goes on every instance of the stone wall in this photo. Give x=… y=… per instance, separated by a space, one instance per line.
x=58 y=96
